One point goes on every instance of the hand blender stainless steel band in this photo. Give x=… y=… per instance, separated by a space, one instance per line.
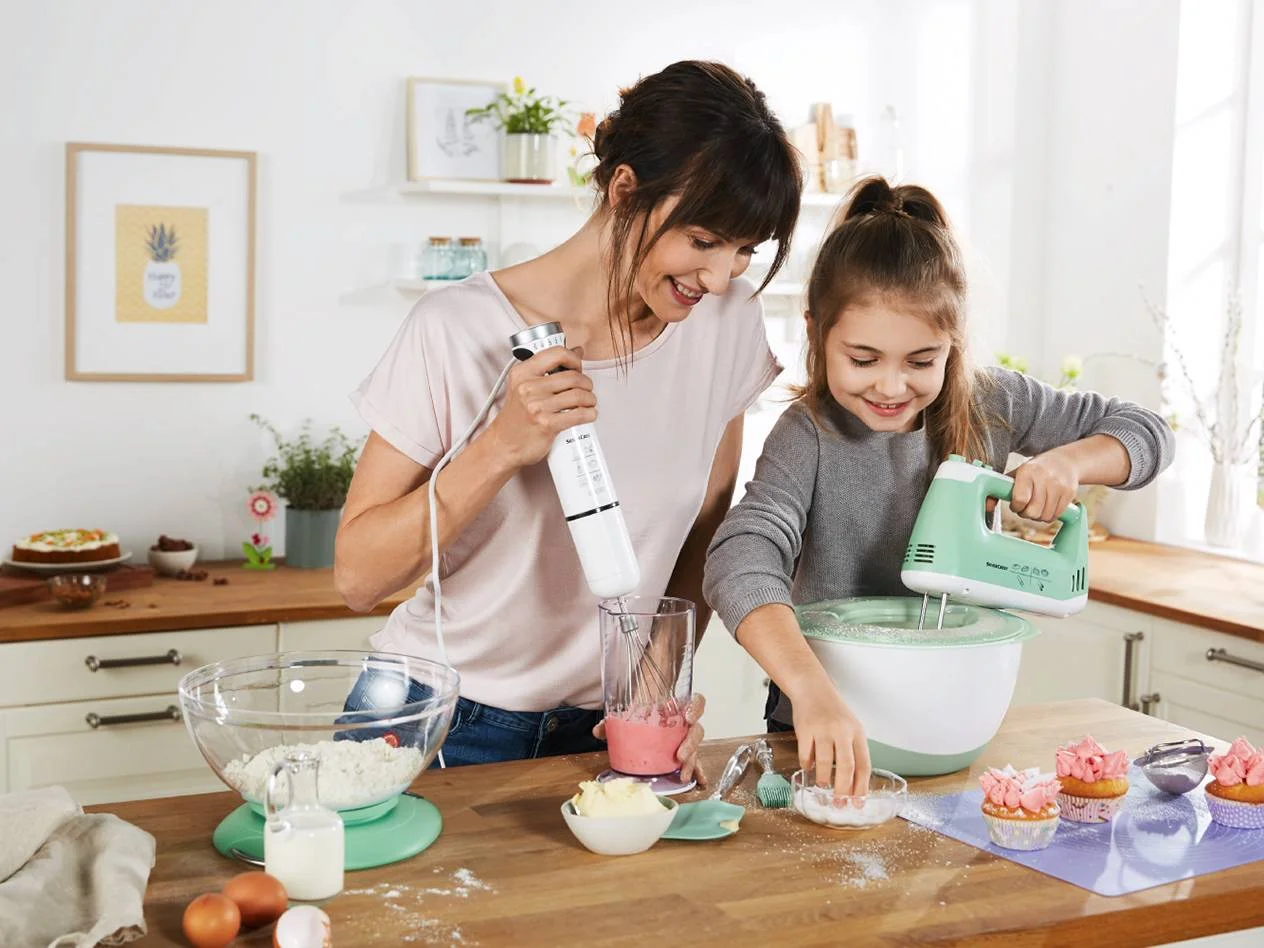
x=585 y=489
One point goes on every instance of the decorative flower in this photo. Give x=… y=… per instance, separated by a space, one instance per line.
x=519 y=86
x=262 y=505
x=586 y=127
x=259 y=539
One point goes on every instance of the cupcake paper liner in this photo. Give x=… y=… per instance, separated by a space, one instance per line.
x=1235 y=813
x=1021 y=834
x=1089 y=809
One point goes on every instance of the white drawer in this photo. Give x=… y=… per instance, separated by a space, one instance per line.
x=54 y=744
x=1182 y=650
x=1113 y=617
x=1212 y=711
x=319 y=636
x=53 y=671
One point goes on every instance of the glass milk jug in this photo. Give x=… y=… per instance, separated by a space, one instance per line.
x=303 y=842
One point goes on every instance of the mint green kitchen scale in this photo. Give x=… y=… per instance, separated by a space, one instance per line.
x=932 y=694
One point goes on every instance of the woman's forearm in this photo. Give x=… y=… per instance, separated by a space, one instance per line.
x=386 y=546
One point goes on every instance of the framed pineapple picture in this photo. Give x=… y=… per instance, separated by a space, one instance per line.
x=160 y=251
x=442 y=141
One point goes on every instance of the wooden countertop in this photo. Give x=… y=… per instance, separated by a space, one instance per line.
x=1201 y=589
x=524 y=880
x=1215 y=592
x=251 y=597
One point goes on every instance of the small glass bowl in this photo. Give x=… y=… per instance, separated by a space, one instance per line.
x=886 y=797
x=77 y=590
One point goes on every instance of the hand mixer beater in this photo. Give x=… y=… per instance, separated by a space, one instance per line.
x=953 y=552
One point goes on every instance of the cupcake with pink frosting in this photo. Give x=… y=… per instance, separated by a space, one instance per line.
x=1020 y=807
x=1235 y=795
x=1094 y=781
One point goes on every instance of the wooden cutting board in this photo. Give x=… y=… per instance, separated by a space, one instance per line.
x=20 y=586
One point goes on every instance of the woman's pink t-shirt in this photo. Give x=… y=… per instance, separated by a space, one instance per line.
x=519 y=622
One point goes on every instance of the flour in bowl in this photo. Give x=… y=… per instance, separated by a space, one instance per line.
x=352 y=773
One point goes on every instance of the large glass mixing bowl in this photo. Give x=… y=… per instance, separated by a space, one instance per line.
x=245 y=715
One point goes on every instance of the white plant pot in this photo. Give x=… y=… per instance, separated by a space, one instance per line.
x=162 y=284
x=1230 y=502
x=530 y=159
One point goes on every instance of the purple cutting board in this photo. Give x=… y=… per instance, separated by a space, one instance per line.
x=1155 y=839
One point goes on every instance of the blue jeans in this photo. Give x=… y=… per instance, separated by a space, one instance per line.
x=480 y=733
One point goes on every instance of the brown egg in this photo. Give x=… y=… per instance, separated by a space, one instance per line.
x=304 y=926
x=211 y=921
x=260 y=897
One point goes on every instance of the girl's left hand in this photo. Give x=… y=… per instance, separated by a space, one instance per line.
x=1044 y=487
x=687 y=753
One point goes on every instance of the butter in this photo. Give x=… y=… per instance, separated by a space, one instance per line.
x=621 y=796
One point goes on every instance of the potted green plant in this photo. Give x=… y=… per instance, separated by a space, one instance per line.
x=529 y=121
x=312 y=477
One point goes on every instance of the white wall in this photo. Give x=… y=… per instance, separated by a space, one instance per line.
x=1042 y=126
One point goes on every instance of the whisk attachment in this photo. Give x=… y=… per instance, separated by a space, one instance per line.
x=647 y=684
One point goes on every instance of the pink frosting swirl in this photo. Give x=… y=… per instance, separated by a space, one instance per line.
x=1028 y=790
x=1088 y=761
x=1241 y=763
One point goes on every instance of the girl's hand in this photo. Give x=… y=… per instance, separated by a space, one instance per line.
x=1044 y=487
x=831 y=736
x=544 y=395
x=687 y=753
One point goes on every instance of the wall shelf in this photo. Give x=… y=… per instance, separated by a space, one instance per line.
x=495 y=189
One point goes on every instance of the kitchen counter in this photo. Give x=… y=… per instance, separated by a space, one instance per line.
x=1200 y=589
x=507 y=871
x=250 y=597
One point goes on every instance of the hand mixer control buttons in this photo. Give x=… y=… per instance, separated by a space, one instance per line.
x=956 y=457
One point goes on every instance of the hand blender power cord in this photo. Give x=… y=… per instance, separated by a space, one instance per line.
x=435 y=583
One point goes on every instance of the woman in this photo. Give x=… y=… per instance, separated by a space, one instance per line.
x=693 y=172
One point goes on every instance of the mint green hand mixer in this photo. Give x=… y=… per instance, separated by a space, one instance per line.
x=952 y=551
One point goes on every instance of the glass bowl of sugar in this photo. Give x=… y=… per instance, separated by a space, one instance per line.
x=375 y=720
x=887 y=795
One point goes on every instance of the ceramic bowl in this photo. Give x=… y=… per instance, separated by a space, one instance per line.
x=169 y=563
x=887 y=795
x=620 y=835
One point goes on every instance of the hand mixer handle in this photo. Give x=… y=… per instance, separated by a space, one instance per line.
x=1001 y=486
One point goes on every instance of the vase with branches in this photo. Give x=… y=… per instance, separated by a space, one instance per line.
x=1228 y=415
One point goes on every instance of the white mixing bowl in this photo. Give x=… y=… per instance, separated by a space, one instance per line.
x=930 y=700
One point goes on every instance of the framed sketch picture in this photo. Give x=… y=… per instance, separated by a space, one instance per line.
x=160 y=272
x=442 y=142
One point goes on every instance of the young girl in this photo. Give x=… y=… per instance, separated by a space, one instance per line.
x=693 y=172
x=890 y=393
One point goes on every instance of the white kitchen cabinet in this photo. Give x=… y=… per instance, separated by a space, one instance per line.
x=1087 y=656
x=733 y=683
x=322 y=635
x=61 y=702
x=1221 y=695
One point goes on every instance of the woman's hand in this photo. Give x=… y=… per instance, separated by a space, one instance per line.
x=831 y=736
x=687 y=753
x=545 y=395
x=1045 y=486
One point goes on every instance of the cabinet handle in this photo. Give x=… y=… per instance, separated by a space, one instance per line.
x=172 y=657
x=1220 y=655
x=1149 y=701
x=1130 y=647
x=95 y=720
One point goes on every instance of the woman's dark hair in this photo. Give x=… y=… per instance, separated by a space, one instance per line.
x=699 y=131
x=896 y=244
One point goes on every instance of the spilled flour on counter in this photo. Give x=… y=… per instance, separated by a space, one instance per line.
x=406 y=910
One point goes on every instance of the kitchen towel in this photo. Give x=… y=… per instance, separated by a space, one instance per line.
x=83 y=886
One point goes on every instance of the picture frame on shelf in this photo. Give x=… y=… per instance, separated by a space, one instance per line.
x=160 y=264
x=443 y=143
